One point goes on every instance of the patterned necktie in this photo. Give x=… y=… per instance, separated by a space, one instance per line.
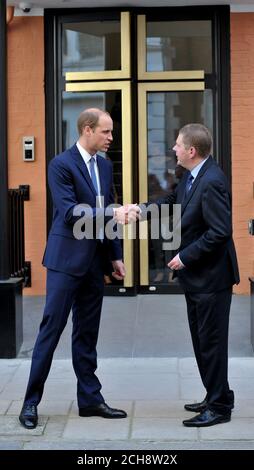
x=93 y=175
x=189 y=182
x=100 y=233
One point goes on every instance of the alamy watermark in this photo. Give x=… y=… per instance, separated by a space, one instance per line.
x=97 y=222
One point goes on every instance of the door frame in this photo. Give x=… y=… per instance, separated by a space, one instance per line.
x=220 y=16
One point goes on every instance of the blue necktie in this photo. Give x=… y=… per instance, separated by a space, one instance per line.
x=100 y=235
x=189 y=182
x=93 y=175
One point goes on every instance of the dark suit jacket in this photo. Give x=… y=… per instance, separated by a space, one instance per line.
x=70 y=185
x=207 y=248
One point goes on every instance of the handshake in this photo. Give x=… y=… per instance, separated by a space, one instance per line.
x=127 y=214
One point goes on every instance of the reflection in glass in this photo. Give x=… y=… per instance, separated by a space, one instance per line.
x=72 y=105
x=179 y=45
x=167 y=113
x=91 y=46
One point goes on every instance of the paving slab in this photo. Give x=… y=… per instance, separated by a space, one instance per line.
x=168 y=429
x=4 y=405
x=160 y=409
x=97 y=428
x=237 y=429
x=10 y=425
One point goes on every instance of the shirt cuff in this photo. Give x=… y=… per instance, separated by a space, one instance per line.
x=183 y=265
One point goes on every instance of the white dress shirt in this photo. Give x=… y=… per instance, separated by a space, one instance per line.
x=86 y=157
x=195 y=171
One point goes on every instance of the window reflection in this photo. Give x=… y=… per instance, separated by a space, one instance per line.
x=179 y=45
x=167 y=113
x=74 y=103
x=91 y=46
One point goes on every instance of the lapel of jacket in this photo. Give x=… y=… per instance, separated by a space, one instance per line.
x=82 y=166
x=203 y=169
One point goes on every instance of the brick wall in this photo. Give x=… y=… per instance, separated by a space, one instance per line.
x=242 y=102
x=26 y=116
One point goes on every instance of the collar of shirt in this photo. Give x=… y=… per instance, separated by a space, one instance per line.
x=197 y=168
x=85 y=155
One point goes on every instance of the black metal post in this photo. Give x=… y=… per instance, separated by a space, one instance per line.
x=11 y=308
x=4 y=224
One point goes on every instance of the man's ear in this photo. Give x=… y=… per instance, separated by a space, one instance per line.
x=87 y=130
x=193 y=151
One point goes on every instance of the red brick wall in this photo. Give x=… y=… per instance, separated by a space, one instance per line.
x=242 y=101
x=26 y=116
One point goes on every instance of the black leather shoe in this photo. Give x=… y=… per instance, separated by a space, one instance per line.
x=102 y=410
x=28 y=416
x=201 y=406
x=196 y=407
x=207 y=418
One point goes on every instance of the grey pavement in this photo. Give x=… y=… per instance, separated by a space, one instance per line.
x=146 y=366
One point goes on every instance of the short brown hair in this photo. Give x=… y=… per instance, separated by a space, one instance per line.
x=198 y=136
x=89 y=117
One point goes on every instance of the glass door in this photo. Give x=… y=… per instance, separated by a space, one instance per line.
x=163 y=109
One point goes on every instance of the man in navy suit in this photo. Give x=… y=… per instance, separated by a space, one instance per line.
x=206 y=266
x=75 y=266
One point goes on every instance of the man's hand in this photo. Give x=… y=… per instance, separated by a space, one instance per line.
x=119 y=270
x=175 y=264
x=127 y=214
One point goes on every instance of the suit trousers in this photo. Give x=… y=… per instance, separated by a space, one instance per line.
x=84 y=296
x=208 y=316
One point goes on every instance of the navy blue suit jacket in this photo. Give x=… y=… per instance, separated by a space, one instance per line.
x=71 y=185
x=207 y=248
